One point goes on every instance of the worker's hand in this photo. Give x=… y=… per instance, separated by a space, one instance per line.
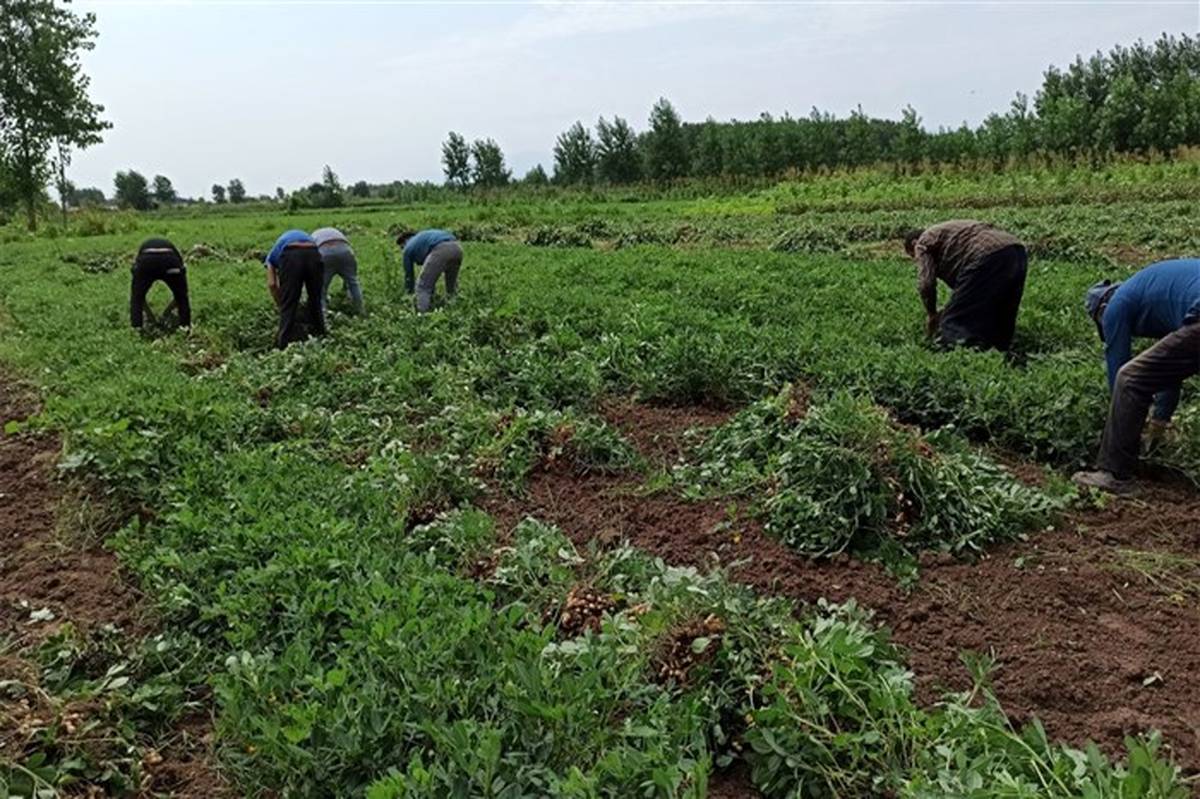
x=273 y=284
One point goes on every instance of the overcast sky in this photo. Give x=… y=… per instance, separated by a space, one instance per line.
x=269 y=91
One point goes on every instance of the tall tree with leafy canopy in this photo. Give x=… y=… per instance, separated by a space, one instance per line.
x=131 y=190
x=666 y=148
x=237 y=191
x=164 y=191
x=44 y=100
x=616 y=152
x=456 y=160
x=574 y=156
x=487 y=167
x=708 y=159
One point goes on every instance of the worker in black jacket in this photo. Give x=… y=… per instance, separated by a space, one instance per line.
x=158 y=259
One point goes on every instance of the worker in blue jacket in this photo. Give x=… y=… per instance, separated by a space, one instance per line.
x=1162 y=302
x=438 y=253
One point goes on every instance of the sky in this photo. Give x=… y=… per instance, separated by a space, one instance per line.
x=269 y=91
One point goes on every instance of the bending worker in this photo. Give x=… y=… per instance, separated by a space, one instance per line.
x=158 y=259
x=438 y=253
x=1161 y=301
x=985 y=270
x=338 y=259
x=294 y=264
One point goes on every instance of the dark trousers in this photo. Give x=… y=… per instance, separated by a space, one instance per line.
x=1164 y=366
x=982 y=311
x=300 y=269
x=170 y=270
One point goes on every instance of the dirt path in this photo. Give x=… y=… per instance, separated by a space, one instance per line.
x=48 y=580
x=1094 y=627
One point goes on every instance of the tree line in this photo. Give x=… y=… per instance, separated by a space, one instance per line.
x=1140 y=99
x=132 y=190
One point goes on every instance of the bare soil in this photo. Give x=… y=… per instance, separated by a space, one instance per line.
x=1085 y=637
x=44 y=573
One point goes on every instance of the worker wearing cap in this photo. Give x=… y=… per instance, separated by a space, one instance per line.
x=438 y=253
x=338 y=259
x=159 y=259
x=985 y=270
x=1161 y=301
x=294 y=265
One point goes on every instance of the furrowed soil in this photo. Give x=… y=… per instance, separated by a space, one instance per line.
x=80 y=583
x=1094 y=626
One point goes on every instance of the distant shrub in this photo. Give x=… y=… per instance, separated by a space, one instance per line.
x=546 y=236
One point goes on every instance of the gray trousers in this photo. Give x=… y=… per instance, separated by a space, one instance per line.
x=1162 y=367
x=444 y=259
x=338 y=259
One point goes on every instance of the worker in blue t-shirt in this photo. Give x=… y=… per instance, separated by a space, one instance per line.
x=1161 y=301
x=294 y=265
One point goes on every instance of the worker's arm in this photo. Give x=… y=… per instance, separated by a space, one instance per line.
x=273 y=283
x=410 y=279
x=1118 y=341
x=927 y=284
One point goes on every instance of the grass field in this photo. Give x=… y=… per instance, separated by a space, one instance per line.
x=343 y=565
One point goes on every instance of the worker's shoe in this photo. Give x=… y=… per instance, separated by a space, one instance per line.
x=1104 y=481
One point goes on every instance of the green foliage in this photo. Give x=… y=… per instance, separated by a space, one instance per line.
x=542 y=439
x=575 y=156
x=1142 y=99
x=456 y=160
x=164 y=192
x=842 y=475
x=548 y=236
x=487 y=165
x=665 y=148
x=317 y=545
x=836 y=715
x=617 y=158
x=44 y=101
x=975 y=752
x=237 y=192
x=536 y=177
x=130 y=190
x=89 y=196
